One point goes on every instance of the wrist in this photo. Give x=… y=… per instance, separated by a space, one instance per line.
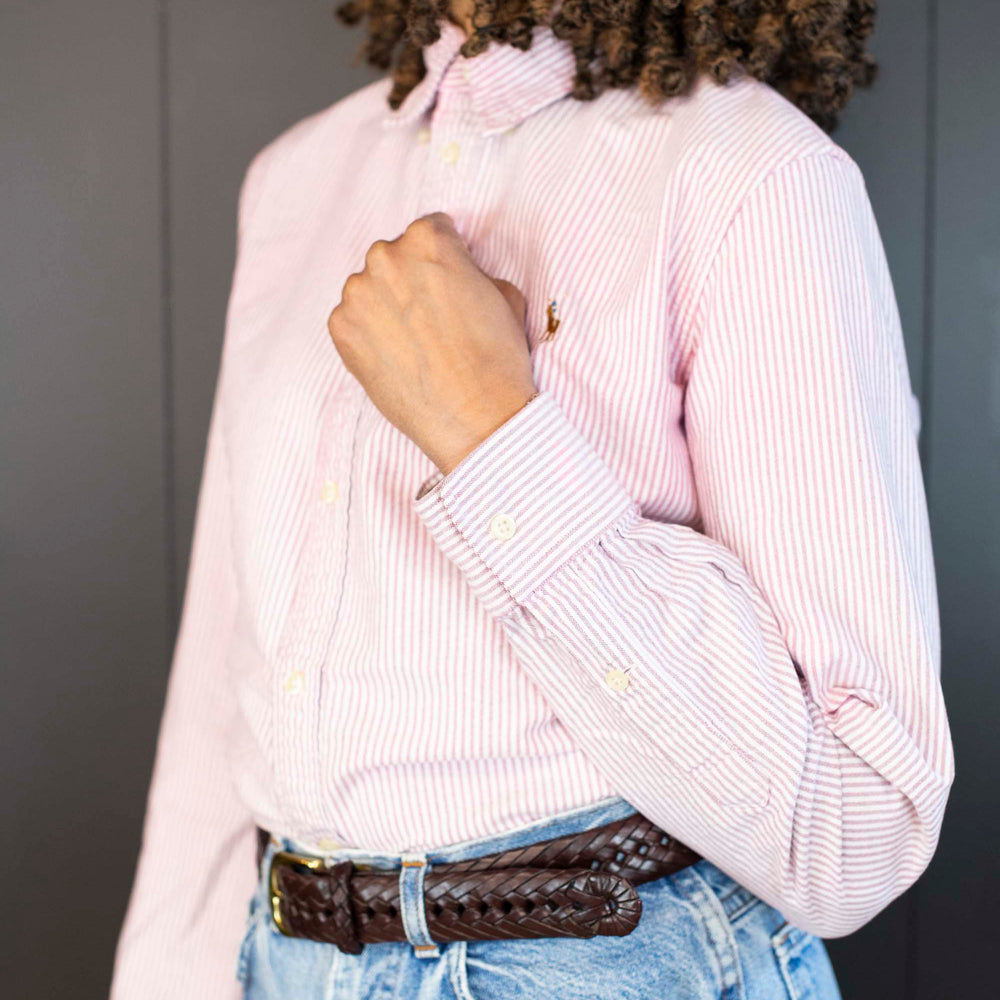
x=448 y=458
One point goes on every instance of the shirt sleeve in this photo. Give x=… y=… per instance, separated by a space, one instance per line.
x=765 y=689
x=196 y=873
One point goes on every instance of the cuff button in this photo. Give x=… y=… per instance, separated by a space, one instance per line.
x=502 y=527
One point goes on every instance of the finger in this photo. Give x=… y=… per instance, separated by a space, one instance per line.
x=444 y=229
x=515 y=299
x=443 y=218
x=444 y=223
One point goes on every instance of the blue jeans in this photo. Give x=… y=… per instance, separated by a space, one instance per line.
x=701 y=935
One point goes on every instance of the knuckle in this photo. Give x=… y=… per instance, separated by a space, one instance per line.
x=420 y=227
x=333 y=322
x=377 y=254
x=351 y=286
x=428 y=231
x=337 y=321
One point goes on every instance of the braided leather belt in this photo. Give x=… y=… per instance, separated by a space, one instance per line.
x=577 y=885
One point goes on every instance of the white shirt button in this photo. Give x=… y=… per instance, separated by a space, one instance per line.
x=423 y=135
x=502 y=527
x=616 y=679
x=295 y=682
x=330 y=492
x=450 y=151
x=328 y=845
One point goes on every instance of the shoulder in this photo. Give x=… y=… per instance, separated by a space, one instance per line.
x=733 y=148
x=746 y=113
x=311 y=146
x=704 y=154
x=728 y=139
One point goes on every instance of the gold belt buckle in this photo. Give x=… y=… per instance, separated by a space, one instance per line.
x=291 y=858
x=286 y=858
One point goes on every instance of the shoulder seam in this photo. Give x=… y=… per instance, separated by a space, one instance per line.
x=687 y=338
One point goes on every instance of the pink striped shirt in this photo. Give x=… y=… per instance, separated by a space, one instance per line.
x=695 y=571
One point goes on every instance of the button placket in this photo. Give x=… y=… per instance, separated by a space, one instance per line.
x=359 y=415
x=300 y=662
x=453 y=151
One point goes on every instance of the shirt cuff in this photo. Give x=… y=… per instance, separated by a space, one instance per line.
x=522 y=503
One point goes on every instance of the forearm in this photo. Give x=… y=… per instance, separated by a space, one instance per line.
x=828 y=808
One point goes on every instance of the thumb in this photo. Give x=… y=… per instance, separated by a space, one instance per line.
x=514 y=298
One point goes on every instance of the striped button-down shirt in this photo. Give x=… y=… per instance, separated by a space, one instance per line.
x=694 y=571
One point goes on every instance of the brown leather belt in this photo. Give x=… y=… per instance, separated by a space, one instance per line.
x=577 y=885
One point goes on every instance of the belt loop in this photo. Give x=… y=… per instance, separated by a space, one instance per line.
x=411 y=905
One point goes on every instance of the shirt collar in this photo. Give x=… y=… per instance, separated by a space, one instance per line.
x=505 y=84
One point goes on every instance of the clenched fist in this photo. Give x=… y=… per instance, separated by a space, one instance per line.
x=439 y=346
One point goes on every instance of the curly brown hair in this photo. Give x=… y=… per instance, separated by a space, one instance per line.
x=811 y=51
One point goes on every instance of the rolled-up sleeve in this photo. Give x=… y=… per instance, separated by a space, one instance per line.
x=766 y=687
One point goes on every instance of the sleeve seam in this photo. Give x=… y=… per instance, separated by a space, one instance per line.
x=691 y=335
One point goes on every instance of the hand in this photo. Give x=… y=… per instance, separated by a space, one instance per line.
x=438 y=345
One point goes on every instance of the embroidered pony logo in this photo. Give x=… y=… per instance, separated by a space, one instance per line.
x=552 y=314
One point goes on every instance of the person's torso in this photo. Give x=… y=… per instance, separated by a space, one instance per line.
x=380 y=705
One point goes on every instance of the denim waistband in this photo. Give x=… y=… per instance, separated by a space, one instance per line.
x=571 y=821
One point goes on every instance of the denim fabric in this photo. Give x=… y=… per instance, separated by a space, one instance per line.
x=701 y=936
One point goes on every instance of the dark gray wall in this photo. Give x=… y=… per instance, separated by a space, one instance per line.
x=125 y=126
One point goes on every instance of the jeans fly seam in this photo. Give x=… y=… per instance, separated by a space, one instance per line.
x=715 y=919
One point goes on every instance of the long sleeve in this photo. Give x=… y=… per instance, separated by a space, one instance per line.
x=195 y=873
x=767 y=688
